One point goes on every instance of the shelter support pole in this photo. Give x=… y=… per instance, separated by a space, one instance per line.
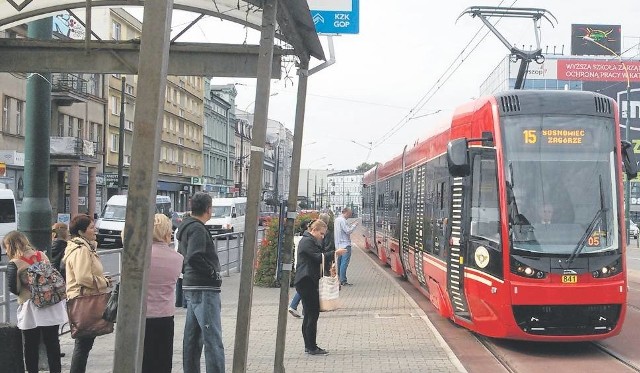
x=154 y=58
x=245 y=296
x=292 y=203
x=35 y=212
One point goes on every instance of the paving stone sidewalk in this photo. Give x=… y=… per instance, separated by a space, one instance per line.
x=377 y=329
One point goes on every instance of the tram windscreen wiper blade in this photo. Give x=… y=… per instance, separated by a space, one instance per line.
x=600 y=214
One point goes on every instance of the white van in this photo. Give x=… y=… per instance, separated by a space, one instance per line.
x=8 y=213
x=111 y=222
x=227 y=215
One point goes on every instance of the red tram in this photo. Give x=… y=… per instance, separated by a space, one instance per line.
x=510 y=218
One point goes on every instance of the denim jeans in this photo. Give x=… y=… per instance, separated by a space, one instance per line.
x=343 y=263
x=203 y=326
x=80 y=356
x=295 y=301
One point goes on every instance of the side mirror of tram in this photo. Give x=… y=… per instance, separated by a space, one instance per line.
x=629 y=159
x=458 y=158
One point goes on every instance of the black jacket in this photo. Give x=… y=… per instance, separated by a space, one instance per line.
x=57 y=253
x=201 y=266
x=328 y=244
x=310 y=253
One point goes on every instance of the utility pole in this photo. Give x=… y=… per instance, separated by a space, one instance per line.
x=35 y=212
x=263 y=83
x=287 y=266
x=276 y=191
x=241 y=160
x=121 y=137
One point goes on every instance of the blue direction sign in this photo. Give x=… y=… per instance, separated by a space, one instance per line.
x=336 y=16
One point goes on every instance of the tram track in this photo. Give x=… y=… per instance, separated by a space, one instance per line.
x=491 y=348
x=616 y=356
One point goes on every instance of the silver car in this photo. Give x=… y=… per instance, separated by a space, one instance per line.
x=633 y=229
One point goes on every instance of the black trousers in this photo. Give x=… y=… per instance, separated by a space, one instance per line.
x=32 y=344
x=80 y=356
x=308 y=290
x=158 y=345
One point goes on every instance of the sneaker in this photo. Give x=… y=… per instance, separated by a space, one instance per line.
x=294 y=313
x=318 y=351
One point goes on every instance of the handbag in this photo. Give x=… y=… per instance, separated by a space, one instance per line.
x=85 y=315
x=329 y=289
x=111 y=310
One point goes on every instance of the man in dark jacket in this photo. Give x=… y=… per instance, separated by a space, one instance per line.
x=201 y=287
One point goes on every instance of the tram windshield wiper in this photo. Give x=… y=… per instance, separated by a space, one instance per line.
x=601 y=215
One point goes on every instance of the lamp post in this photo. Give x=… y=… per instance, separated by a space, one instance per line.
x=627 y=191
x=309 y=169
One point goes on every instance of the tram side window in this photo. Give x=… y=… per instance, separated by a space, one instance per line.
x=484 y=199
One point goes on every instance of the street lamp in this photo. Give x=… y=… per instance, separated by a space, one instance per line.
x=315 y=186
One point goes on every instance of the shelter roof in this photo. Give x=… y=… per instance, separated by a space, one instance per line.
x=295 y=26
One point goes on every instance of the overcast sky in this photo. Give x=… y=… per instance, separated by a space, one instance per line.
x=400 y=56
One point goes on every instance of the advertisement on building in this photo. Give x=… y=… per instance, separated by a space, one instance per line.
x=585 y=40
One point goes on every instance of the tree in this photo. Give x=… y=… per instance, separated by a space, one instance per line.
x=364 y=166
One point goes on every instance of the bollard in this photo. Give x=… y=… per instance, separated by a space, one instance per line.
x=11 y=351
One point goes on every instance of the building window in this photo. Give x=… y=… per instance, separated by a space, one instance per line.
x=6 y=113
x=19 y=117
x=114 y=142
x=114 y=105
x=70 y=128
x=80 y=129
x=116 y=31
x=129 y=89
x=92 y=131
x=61 y=125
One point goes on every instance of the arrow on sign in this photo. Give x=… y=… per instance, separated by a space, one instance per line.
x=318 y=19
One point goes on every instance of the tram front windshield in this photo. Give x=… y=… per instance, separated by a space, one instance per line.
x=560 y=173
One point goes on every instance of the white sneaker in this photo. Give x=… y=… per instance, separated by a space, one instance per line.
x=294 y=312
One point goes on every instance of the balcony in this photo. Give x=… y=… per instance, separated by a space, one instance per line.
x=67 y=89
x=73 y=148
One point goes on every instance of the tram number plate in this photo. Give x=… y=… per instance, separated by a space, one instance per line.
x=569 y=279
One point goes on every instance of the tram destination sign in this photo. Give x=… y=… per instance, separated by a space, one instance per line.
x=335 y=16
x=551 y=137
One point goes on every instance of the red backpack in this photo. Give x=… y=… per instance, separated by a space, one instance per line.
x=45 y=282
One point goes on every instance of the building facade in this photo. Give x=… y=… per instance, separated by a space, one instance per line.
x=345 y=190
x=219 y=140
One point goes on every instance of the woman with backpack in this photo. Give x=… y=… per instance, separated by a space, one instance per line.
x=34 y=321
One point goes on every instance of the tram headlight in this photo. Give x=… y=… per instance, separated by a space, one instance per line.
x=608 y=270
x=524 y=270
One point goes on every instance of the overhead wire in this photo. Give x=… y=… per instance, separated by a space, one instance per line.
x=446 y=75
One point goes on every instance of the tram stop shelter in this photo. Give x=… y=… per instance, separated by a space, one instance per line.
x=152 y=58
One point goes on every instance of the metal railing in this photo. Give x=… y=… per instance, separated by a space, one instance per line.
x=223 y=245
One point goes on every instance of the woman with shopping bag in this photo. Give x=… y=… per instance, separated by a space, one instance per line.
x=85 y=279
x=310 y=260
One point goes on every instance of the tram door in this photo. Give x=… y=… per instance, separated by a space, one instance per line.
x=455 y=255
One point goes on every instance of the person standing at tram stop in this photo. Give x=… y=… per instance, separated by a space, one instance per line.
x=201 y=285
x=85 y=275
x=59 y=238
x=342 y=231
x=164 y=269
x=328 y=244
x=310 y=255
x=35 y=322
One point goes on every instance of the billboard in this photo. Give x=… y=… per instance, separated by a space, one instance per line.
x=586 y=37
x=598 y=70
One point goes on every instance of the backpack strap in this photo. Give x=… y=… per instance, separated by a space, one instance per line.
x=30 y=260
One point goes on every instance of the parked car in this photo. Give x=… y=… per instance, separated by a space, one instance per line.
x=265 y=216
x=633 y=229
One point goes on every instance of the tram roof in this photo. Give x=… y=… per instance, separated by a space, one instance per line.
x=295 y=26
